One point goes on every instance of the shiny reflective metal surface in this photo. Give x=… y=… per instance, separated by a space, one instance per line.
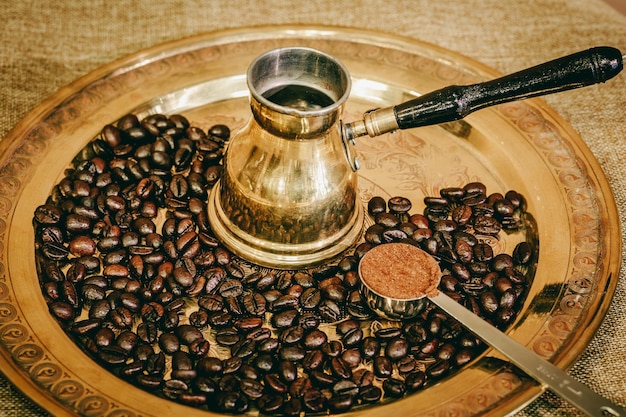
x=524 y=146
x=288 y=197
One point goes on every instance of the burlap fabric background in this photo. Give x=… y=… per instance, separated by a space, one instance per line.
x=47 y=44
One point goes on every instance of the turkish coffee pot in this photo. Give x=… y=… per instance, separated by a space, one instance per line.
x=288 y=197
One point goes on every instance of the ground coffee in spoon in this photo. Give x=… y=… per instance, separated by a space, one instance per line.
x=400 y=271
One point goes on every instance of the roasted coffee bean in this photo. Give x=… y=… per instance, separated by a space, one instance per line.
x=232 y=365
x=274 y=383
x=382 y=367
x=352 y=357
x=169 y=343
x=227 y=337
x=285 y=318
x=260 y=334
x=376 y=205
x=211 y=302
x=370 y=347
x=362 y=377
x=253 y=389
x=199 y=318
x=228 y=383
x=346 y=386
x=47 y=214
x=415 y=332
x=113 y=355
x=438 y=369
x=313 y=400
x=351 y=279
x=522 y=253
x=308 y=320
x=292 y=407
x=332 y=348
x=387 y=220
x=204 y=385
x=334 y=292
x=220 y=319
x=370 y=394
x=489 y=302
x=150 y=382
x=248 y=324
x=461 y=272
x=121 y=318
x=272 y=295
x=285 y=302
x=310 y=298
x=313 y=359
x=322 y=378
x=314 y=339
x=51 y=290
x=293 y=353
x=132 y=369
x=265 y=362
x=486 y=225
x=326 y=282
x=446 y=351
x=77 y=272
x=287 y=371
x=340 y=368
x=127 y=340
x=388 y=333
x=508 y=299
x=340 y=403
x=399 y=204
x=244 y=348
x=173 y=388
x=104 y=337
x=462 y=214
x=232 y=402
x=248 y=371
x=269 y=345
x=214 y=278
x=501 y=262
x=478 y=269
x=514 y=275
x=504 y=316
x=352 y=337
x=291 y=335
x=414 y=381
x=192 y=400
x=100 y=309
x=235 y=270
x=406 y=365
x=329 y=311
x=362 y=249
x=270 y=403
x=209 y=366
x=432 y=201
x=396 y=349
x=374 y=234
x=394 y=387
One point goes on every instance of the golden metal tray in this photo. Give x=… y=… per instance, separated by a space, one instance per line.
x=523 y=146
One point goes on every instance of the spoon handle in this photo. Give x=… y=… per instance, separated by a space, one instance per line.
x=536 y=367
x=592 y=66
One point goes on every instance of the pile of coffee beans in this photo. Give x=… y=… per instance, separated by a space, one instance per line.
x=131 y=270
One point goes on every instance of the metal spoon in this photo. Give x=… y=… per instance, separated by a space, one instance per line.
x=402 y=257
x=533 y=365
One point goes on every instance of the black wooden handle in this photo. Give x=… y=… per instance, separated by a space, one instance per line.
x=592 y=66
